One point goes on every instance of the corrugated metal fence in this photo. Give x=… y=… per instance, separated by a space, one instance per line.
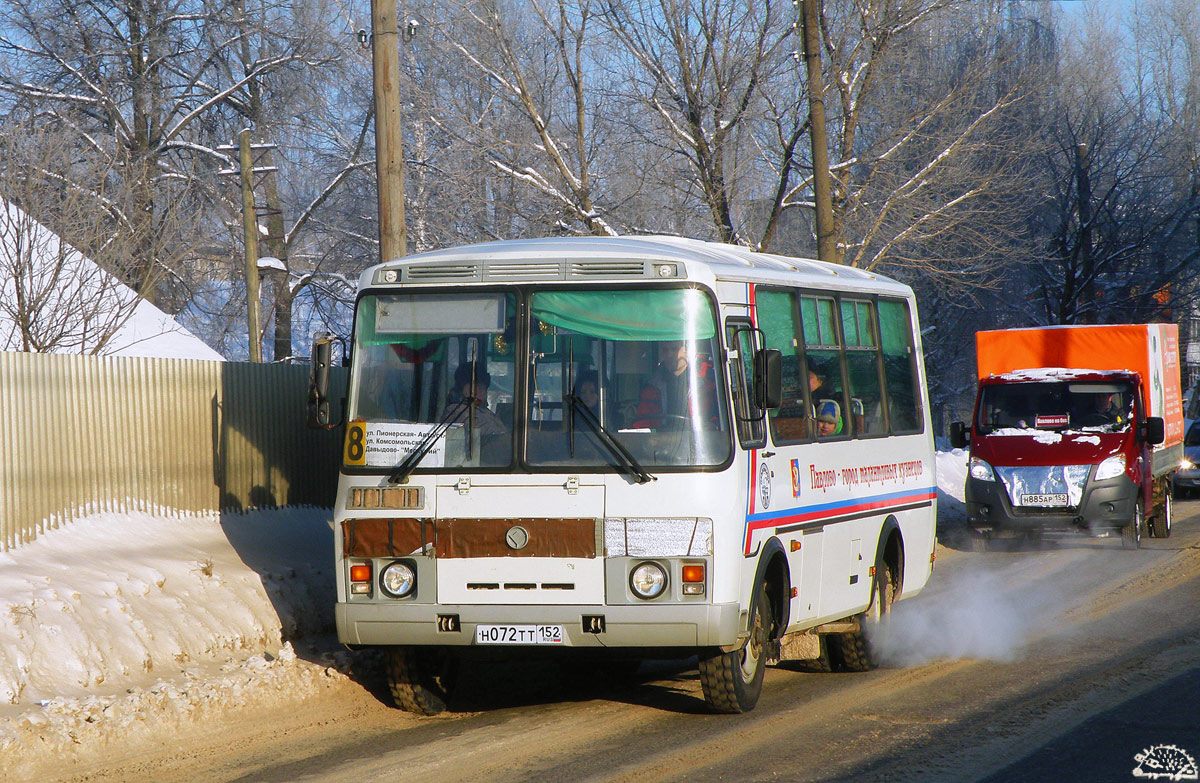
x=82 y=434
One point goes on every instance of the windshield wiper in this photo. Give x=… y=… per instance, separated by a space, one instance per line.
x=627 y=462
x=402 y=472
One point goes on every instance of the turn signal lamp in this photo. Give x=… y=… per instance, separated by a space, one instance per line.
x=360 y=579
x=693 y=579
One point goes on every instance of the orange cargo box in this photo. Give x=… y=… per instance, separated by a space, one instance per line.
x=1150 y=350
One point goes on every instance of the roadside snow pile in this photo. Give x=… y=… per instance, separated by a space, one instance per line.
x=125 y=622
x=951 y=469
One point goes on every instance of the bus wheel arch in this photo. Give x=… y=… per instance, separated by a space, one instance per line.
x=890 y=551
x=773 y=572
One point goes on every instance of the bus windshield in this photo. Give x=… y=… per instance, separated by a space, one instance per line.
x=610 y=378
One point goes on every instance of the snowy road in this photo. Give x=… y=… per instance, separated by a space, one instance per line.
x=1060 y=663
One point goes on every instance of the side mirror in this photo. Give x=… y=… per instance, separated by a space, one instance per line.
x=959 y=437
x=1153 y=430
x=318 y=383
x=768 y=379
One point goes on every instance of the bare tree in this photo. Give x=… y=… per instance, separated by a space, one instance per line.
x=539 y=58
x=52 y=297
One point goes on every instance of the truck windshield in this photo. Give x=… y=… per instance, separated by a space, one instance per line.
x=439 y=374
x=1056 y=406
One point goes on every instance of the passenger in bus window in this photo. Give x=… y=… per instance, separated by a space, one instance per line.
x=487 y=422
x=829 y=419
x=669 y=395
x=818 y=381
x=587 y=389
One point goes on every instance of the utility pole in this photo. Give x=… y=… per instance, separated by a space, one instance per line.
x=250 y=234
x=389 y=153
x=810 y=35
x=245 y=173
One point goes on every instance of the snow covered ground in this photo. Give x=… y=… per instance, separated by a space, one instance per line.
x=128 y=624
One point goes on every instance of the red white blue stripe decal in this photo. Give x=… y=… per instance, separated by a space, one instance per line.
x=839 y=510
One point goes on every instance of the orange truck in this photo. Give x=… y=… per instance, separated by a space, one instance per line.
x=1075 y=429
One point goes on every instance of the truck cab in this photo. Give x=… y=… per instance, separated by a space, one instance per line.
x=1060 y=450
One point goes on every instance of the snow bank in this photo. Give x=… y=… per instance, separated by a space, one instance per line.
x=126 y=623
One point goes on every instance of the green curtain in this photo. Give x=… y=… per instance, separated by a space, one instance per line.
x=667 y=314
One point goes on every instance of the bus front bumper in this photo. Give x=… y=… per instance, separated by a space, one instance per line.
x=659 y=626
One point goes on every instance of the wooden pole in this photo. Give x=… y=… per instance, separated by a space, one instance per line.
x=827 y=240
x=389 y=154
x=250 y=233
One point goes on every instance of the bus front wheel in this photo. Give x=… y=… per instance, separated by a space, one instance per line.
x=733 y=681
x=420 y=678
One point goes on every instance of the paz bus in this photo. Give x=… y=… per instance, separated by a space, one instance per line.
x=617 y=449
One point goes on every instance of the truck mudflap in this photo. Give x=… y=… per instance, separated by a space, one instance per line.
x=1105 y=505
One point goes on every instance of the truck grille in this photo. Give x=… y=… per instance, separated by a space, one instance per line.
x=1045 y=480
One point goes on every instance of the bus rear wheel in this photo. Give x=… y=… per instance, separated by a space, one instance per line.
x=852 y=650
x=733 y=681
x=420 y=678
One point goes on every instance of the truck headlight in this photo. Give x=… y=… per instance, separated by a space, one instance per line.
x=648 y=580
x=1111 y=467
x=981 y=470
x=398 y=579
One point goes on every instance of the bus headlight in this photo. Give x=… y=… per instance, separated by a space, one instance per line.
x=648 y=580
x=1111 y=467
x=398 y=579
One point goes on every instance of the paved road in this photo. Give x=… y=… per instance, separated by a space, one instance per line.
x=1055 y=664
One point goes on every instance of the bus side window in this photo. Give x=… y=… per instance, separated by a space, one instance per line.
x=900 y=375
x=823 y=357
x=779 y=320
x=862 y=366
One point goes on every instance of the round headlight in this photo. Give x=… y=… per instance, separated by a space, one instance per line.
x=398 y=579
x=389 y=275
x=648 y=580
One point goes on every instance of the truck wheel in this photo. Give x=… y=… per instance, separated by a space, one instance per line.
x=420 y=678
x=733 y=681
x=1160 y=524
x=852 y=650
x=1131 y=534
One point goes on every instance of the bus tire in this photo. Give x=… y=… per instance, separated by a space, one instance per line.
x=852 y=650
x=420 y=679
x=1131 y=534
x=732 y=681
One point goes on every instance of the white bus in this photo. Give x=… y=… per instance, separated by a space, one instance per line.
x=627 y=448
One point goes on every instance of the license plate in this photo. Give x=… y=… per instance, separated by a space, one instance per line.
x=1044 y=500
x=518 y=634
